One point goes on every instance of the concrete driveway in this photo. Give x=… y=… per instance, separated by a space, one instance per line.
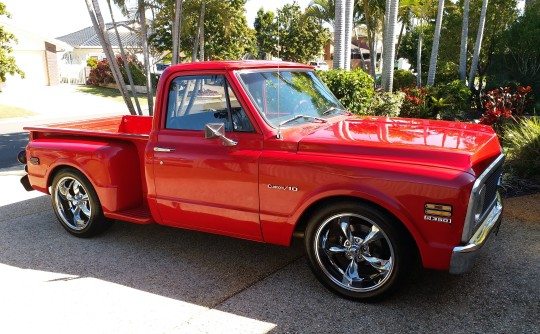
x=154 y=279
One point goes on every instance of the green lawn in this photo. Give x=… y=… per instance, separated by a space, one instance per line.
x=12 y=112
x=112 y=93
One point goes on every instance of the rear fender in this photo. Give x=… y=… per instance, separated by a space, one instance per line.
x=111 y=166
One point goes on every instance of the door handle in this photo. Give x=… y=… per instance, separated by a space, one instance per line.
x=163 y=149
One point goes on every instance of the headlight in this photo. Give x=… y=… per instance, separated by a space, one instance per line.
x=479 y=204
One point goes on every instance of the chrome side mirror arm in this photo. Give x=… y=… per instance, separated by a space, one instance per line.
x=217 y=130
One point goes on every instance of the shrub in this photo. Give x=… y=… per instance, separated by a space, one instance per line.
x=354 y=88
x=403 y=79
x=522 y=143
x=415 y=103
x=446 y=72
x=451 y=101
x=386 y=104
x=101 y=75
x=502 y=104
x=92 y=63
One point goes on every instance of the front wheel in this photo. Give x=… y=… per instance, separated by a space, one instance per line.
x=356 y=250
x=76 y=204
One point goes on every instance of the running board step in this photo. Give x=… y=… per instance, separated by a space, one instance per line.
x=140 y=215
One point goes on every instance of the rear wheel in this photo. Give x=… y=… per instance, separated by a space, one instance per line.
x=357 y=251
x=76 y=204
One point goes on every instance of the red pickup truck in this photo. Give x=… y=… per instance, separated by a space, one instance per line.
x=264 y=151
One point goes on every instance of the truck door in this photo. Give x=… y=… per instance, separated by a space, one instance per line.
x=207 y=184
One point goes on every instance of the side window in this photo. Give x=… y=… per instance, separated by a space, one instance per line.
x=195 y=101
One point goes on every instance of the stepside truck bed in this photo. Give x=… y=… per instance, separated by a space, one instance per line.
x=108 y=151
x=121 y=127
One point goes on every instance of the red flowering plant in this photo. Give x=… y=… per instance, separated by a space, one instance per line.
x=100 y=75
x=415 y=104
x=503 y=104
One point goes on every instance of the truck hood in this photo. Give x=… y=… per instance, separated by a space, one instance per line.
x=462 y=146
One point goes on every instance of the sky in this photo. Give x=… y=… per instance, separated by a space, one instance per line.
x=55 y=18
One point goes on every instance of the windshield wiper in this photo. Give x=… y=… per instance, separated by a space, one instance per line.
x=306 y=117
x=329 y=110
x=292 y=119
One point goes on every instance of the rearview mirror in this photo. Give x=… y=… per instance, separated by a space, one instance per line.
x=217 y=130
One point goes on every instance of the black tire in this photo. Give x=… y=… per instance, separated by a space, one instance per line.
x=77 y=205
x=351 y=263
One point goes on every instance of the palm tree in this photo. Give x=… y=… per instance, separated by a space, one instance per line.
x=124 y=59
x=463 y=50
x=435 y=48
x=339 y=35
x=419 y=62
x=478 y=44
x=373 y=14
x=200 y=35
x=101 y=30
x=177 y=24
x=390 y=45
x=323 y=10
x=146 y=55
x=349 y=25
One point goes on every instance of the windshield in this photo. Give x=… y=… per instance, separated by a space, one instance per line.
x=282 y=95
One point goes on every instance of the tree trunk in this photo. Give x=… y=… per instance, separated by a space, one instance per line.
x=199 y=29
x=177 y=24
x=384 y=41
x=101 y=30
x=390 y=45
x=201 y=50
x=463 y=50
x=360 y=49
x=399 y=39
x=419 y=62
x=435 y=49
x=373 y=59
x=146 y=54
x=339 y=36
x=124 y=59
x=349 y=9
x=478 y=44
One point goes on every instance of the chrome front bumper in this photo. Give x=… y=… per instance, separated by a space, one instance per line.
x=463 y=257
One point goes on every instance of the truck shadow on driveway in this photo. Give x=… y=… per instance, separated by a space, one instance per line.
x=273 y=284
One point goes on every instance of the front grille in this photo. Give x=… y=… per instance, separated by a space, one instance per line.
x=492 y=183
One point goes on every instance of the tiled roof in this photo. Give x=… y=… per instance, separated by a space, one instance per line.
x=87 y=37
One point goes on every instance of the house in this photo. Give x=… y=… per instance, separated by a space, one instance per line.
x=359 y=50
x=36 y=56
x=85 y=44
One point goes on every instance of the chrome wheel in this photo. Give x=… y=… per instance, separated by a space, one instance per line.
x=73 y=204
x=353 y=252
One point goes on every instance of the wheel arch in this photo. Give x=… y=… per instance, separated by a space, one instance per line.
x=301 y=224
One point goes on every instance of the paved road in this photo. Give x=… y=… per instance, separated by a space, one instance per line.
x=142 y=279
x=10 y=145
x=53 y=104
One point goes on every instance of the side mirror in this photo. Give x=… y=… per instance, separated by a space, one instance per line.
x=217 y=130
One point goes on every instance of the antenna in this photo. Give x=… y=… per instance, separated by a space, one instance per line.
x=278 y=136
